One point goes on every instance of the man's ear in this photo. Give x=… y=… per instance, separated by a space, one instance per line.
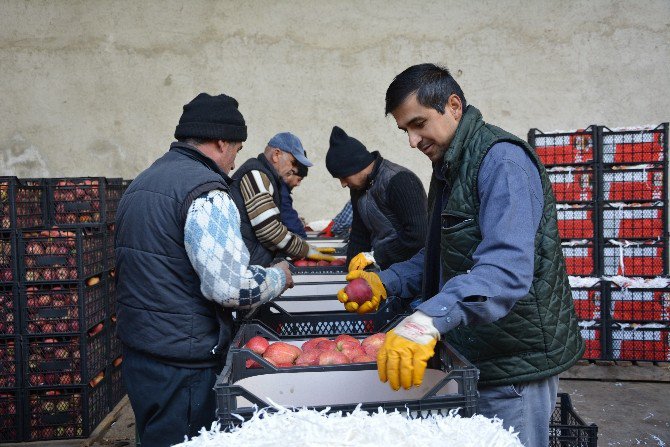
x=454 y=106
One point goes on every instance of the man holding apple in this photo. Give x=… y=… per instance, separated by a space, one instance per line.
x=182 y=268
x=492 y=272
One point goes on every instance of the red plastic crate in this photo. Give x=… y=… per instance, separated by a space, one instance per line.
x=572 y=186
x=587 y=302
x=640 y=343
x=60 y=308
x=10 y=415
x=630 y=185
x=59 y=255
x=84 y=201
x=642 y=146
x=579 y=260
x=10 y=362
x=64 y=360
x=65 y=412
x=591 y=336
x=9 y=314
x=566 y=149
x=22 y=203
x=636 y=260
x=575 y=223
x=8 y=263
x=640 y=304
x=633 y=223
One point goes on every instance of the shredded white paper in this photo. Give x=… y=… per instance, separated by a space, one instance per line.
x=319 y=225
x=583 y=281
x=638 y=283
x=309 y=428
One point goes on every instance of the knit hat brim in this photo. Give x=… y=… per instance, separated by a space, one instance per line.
x=211 y=131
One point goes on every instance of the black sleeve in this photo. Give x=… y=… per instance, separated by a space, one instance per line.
x=408 y=203
x=359 y=239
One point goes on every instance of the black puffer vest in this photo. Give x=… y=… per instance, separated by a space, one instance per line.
x=539 y=337
x=161 y=311
x=259 y=255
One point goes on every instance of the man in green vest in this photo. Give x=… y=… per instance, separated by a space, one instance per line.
x=492 y=272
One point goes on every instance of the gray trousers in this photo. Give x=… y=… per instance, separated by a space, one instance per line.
x=526 y=406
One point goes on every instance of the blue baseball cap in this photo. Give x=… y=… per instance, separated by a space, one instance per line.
x=288 y=142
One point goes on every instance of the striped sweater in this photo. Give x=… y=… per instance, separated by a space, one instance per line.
x=257 y=192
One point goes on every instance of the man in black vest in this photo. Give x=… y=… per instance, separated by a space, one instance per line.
x=256 y=190
x=492 y=272
x=181 y=269
x=388 y=200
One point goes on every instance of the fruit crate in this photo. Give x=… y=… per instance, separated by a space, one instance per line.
x=115 y=347
x=10 y=415
x=450 y=383
x=58 y=255
x=595 y=340
x=633 y=222
x=84 y=201
x=639 y=305
x=63 y=307
x=110 y=258
x=573 y=185
x=65 y=412
x=576 y=221
x=566 y=428
x=588 y=301
x=634 y=146
x=116 y=388
x=338 y=269
x=307 y=324
x=22 y=203
x=10 y=362
x=9 y=309
x=111 y=291
x=646 y=259
x=8 y=259
x=64 y=360
x=577 y=147
x=648 y=341
x=581 y=257
x=634 y=184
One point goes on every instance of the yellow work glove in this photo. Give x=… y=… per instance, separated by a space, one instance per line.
x=360 y=261
x=404 y=355
x=378 y=293
x=326 y=250
x=315 y=255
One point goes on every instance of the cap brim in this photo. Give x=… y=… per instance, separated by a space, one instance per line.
x=303 y=160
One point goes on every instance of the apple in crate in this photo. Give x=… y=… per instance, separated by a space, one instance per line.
x=257 y=344
x=358 y=290
x=333 y=358
x=308 y=358
x=312 y=343
x=373 y=343
x=280 y=353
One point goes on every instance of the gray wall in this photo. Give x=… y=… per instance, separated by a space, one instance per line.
x=96 y=87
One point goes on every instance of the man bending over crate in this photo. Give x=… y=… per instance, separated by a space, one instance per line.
x=492 y=272
x=182 y=268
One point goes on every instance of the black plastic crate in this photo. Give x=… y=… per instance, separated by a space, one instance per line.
x=318 y=269
x=639 y=305
x=576 y=147
x=634 y=146
x=22 y=203
x=595 y=340
x=116 y=388
x=64 y=360
x=59 y=255
x=646 y=342
x=84 y=201
x=9 y=309
x=581 y=258
x=308 y=324
x=576 y=221
x=115 y=346
x=10 y=415
x=588 y=302
x=453 y=386
x=110 y=258
x=644 y=259
x=8 y=258
x=633 y=185
x=573 y=185
x=64 y=307
x=111 y=291
x=633 y=222
x=566 y=428
x=65 y=412
x=10 y=362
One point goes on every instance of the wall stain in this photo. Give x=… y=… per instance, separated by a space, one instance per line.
x=22 y=159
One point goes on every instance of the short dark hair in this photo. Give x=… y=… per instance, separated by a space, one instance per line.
x=432 y=84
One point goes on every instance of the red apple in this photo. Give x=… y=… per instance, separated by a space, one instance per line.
x=301 y=263
x=352 y=350
x=257 y=344
x=280 y=352
x=333 y=358
x=358 y=290
x=363 y=359
x=340 y=339
x=311 y=344
x=326 y=345
x=373 y=343
x=308 y=358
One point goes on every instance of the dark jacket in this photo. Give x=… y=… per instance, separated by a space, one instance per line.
x=540 y=336
x=161 y=311
x=289 y=216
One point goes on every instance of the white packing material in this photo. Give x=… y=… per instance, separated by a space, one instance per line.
x=310 y=428
x=583 y=281
x=319 y=225
x=638 y=283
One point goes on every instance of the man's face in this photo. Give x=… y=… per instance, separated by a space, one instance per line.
x=428 y=130
x=355 y=181
x=292 y=179
x=283 y=162
x=229 y=150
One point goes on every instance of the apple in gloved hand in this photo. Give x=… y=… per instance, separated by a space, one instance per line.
x=358 y=290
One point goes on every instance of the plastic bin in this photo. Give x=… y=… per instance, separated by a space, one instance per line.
x=650 y=342
x=116 y=388
x=633 y=222
x=22 y=203
x=644 y=259
x=635 y=146
x=566 y=428
x=572 y=185
x=450 y=382
x=10 y=415
x=564 y=148
x=10 y=362
x=9 y=309
x=576 y=222
x=634 y=185
x=84 y=201
x=8 y=258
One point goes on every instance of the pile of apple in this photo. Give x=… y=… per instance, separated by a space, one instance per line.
x=6 y=273
x=7 y=323
x=28 y=201
x=309 y=263
x=55 y=309
x=44 y=406
x=316 y=351
x=7 y=364
x=61 y=249
x=86 y=195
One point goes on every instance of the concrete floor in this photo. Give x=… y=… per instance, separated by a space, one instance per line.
x=626 y=413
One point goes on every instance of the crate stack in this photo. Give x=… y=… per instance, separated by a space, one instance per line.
x=627 y=193
x=57 y=256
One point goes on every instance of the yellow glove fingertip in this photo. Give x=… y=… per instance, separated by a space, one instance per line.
x=342 y=296
x=351 y=306
x=353 y=274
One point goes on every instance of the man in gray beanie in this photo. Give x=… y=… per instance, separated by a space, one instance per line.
x=389 y=204
x=182 y=269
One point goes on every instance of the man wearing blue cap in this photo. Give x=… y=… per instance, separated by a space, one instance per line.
x=257 y=193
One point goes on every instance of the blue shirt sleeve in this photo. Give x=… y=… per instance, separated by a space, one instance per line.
x=404 y=279
x=289 y=216
x=510 y=193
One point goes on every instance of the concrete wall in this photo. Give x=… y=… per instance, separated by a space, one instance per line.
x=96 y=87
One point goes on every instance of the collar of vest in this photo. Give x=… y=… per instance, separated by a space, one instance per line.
x=375 y=169
x=271 y=169
x=193 y=153
x=470 y=122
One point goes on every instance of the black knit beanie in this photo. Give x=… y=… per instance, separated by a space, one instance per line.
x=212 y=118
x=346 y=155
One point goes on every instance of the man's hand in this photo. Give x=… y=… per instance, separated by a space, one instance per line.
x=403 y=358
x=360 y=261
x=315 y=255
x=378 y=293
x=283 y=266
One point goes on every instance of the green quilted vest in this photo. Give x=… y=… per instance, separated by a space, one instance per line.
x=540 y=336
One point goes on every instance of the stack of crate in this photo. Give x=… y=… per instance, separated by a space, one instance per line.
x=57 y=270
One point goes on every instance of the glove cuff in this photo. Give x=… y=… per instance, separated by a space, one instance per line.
x=418 y=328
